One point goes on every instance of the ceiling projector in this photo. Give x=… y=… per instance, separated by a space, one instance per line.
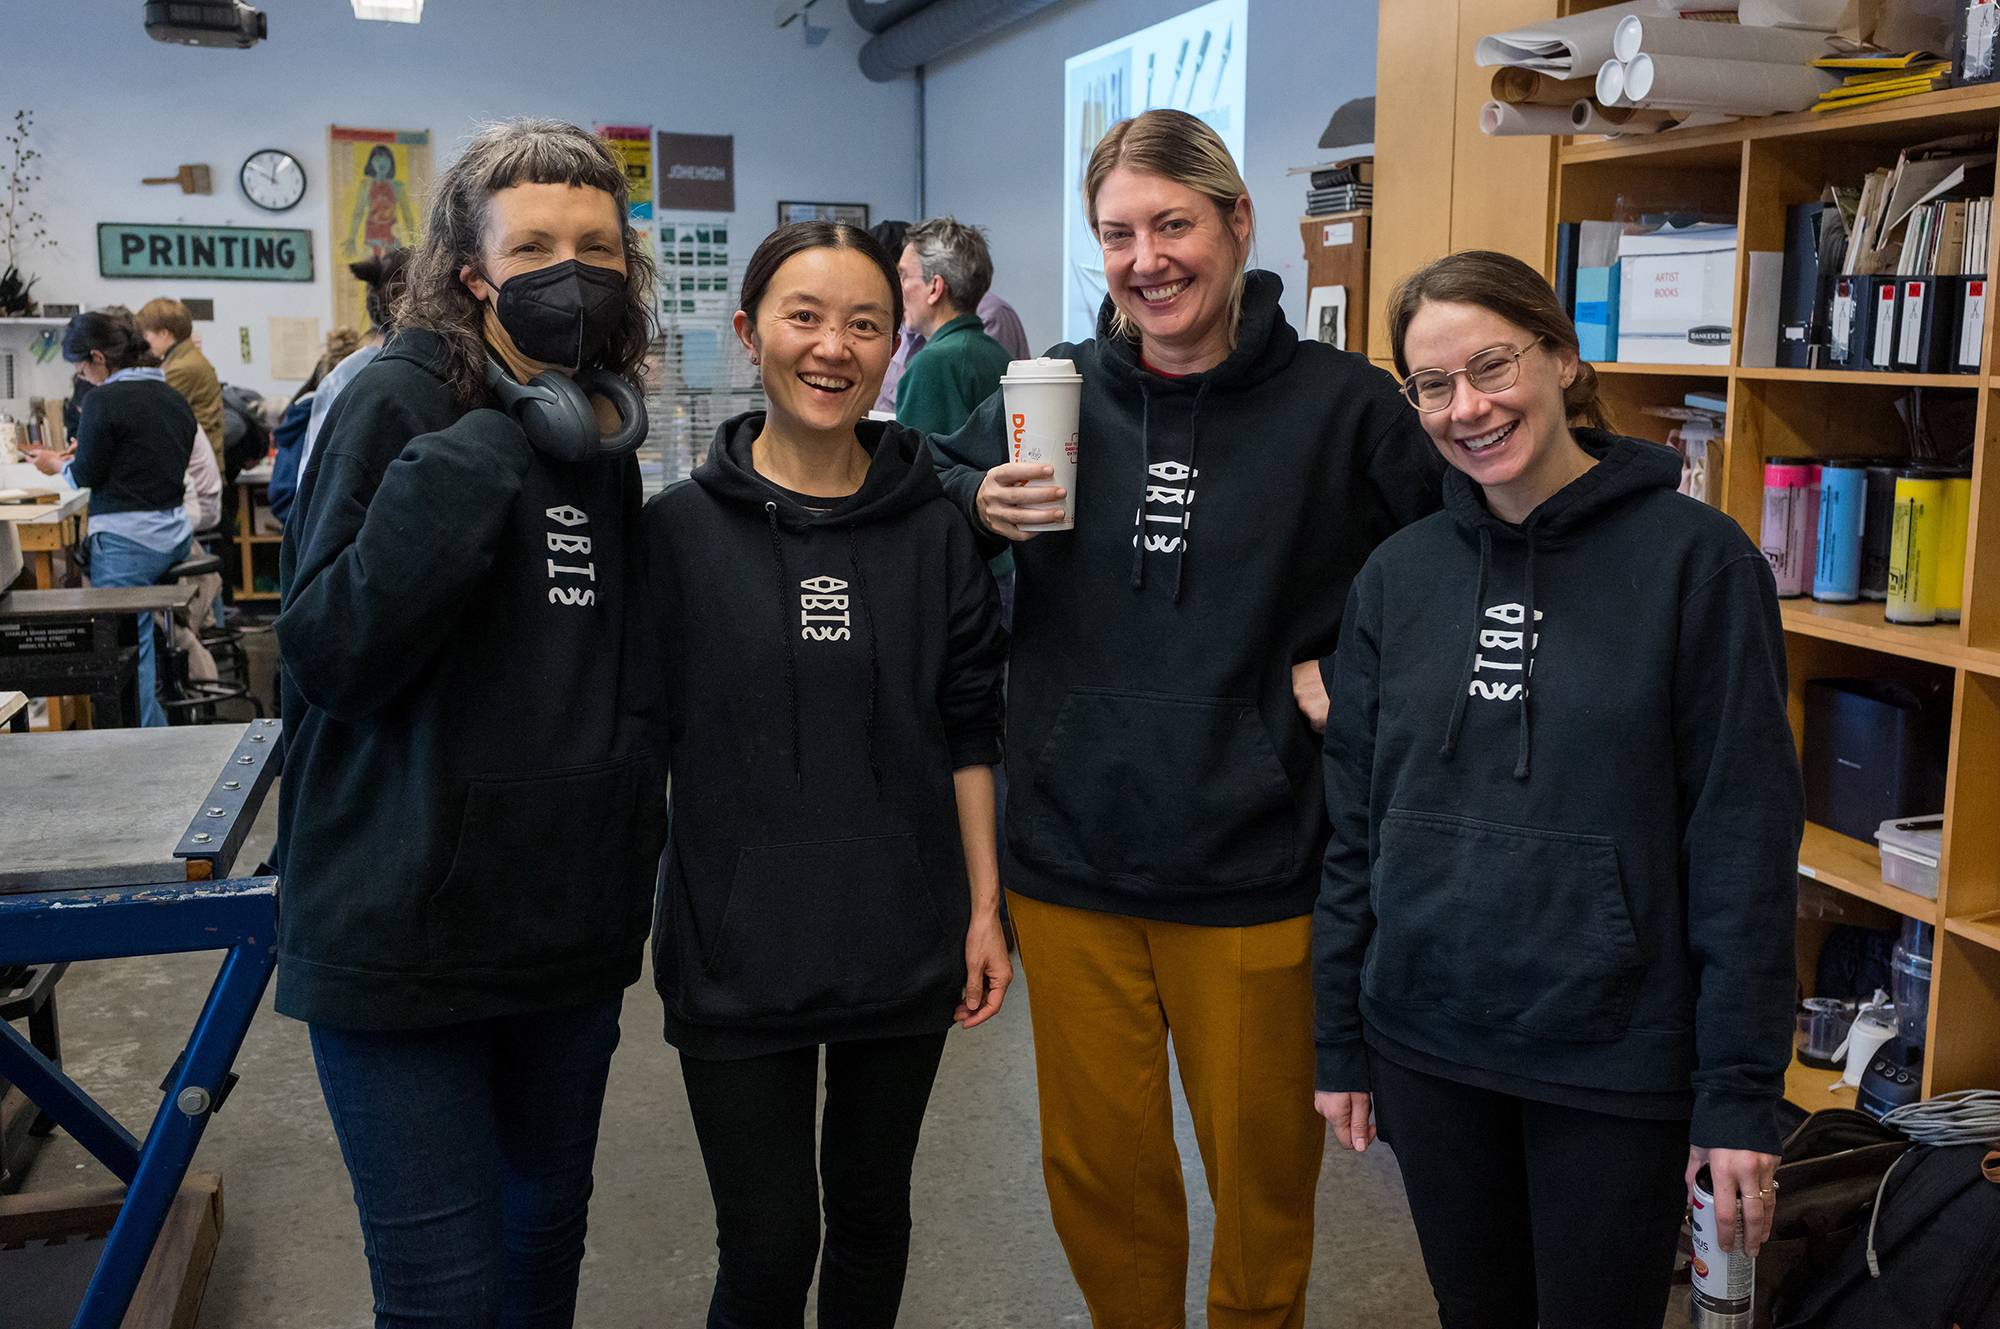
x=204 y=22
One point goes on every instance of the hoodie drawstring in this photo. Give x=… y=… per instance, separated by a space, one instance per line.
x=1187 y=506
x=785 y=630
x=874 y=658
x=1452 y=725
x=1527 y=655
x=1145 y=478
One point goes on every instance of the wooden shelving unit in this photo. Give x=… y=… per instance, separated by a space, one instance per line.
x=1754 y=169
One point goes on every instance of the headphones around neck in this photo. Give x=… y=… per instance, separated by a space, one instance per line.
x=554 y=411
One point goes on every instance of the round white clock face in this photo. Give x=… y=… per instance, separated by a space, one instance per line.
x=273 y=179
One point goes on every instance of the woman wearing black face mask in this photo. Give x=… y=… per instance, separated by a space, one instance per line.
x=469 y=819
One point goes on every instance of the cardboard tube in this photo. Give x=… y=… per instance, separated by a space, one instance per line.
x=1611 y=83
x=1499 y=120
x=1714 y=41
x=1730 y=87
x=1524 y=87
x=1587 y=117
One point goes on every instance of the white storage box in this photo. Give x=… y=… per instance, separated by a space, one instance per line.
x=1911 y=847
x=1676 y=296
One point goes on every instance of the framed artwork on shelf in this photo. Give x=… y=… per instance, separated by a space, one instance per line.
x=854 y=214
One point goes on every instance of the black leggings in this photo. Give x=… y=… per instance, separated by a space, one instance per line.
x=1529 y=1213
x=754 y=1118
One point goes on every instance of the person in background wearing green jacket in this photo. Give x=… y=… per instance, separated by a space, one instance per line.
x=945 y=270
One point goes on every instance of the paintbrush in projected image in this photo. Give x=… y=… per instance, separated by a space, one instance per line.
x=1199 y=57
x=1222 y=62
x=1179 y=64
x=1150 y=58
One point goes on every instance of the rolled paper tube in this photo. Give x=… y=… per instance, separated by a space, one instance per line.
x=1611 y=83
x=1587 y=117
x=1524 y=87
x=1730 y=87
x=1500 y=120
x=1714 y=41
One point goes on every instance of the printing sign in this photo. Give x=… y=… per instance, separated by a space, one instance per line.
x=221 y=253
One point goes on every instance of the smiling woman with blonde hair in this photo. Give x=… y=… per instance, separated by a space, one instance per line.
x=1164 y=817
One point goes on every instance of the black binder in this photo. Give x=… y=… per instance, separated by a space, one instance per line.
x=1802 y=323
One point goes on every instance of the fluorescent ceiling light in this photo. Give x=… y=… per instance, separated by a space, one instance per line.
x=390 y=11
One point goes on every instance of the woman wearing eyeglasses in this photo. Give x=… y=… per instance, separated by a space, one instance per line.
x=1553 y=943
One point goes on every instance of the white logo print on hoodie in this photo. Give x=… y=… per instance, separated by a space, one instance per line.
x=1501 y=652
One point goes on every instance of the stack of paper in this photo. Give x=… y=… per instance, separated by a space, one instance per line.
x=1881 y=78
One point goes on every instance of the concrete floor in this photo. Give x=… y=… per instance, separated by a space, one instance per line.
x=984 y=1252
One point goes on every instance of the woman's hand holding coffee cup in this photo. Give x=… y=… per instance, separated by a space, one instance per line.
x=1013 y=505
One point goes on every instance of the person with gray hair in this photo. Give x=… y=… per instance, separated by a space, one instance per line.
x=945 y=270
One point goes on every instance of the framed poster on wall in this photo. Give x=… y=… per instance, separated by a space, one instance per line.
x=1193 y=63
x=854 y=214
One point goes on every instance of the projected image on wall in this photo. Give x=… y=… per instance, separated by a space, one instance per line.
x=1193 y=63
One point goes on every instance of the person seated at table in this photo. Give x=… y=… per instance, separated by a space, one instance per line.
x=131 y=452
x=168 y=328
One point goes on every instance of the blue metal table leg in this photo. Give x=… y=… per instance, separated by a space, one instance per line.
x=170 y=1144
x=60 y=1098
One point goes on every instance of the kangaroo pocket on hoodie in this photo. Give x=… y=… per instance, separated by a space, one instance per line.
x=1171 y=793
x=518 y=895
x=814 y=930
x=1503 y=926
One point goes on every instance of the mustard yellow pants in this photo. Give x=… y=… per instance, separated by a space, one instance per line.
x=1106 y=992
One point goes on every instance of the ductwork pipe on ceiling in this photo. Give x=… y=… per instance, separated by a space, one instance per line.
x=877 y=15
x=938 y=29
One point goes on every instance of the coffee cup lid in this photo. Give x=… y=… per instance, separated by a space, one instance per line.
x=1042 y=368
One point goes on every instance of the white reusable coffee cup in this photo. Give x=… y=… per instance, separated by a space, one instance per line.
x=1042 y=398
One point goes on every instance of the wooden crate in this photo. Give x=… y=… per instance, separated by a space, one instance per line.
x=60 y=1234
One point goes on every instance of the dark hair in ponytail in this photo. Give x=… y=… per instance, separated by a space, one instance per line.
x=113 y=334
x=796 y=238
x=1504 y=285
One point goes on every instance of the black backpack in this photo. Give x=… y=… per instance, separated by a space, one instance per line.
x=246 y=439
x=1936 y=1243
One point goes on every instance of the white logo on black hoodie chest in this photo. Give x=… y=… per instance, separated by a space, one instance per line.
x=1165 y=517
x=1503 y=655
x=824 y=609
x=575 y=562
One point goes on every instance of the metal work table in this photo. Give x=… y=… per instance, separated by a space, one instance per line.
x=81 y=642
x=116 y=845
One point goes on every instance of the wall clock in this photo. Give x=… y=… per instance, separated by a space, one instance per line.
x=273 y=179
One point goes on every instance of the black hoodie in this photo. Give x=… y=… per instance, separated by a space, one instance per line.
x=823 y=673
x=1161 y=766
x=1588 y=886
x=470 y=815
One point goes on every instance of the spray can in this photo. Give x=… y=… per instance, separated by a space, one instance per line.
x=1877 y=530
x=1787 y=497
x=1951 y=549
x=1843 y=493
x=1725 y=1281
x=1915 y=544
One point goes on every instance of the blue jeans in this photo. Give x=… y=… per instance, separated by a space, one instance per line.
x=470 y=1149
x=116 y=561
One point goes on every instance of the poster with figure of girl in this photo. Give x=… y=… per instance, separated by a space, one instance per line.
x=377 y=182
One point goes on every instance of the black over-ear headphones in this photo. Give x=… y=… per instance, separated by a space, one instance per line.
x=554 y=411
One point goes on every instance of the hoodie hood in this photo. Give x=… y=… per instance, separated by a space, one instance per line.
x=1626 y=470
x=1265 y=343
x=895 y=483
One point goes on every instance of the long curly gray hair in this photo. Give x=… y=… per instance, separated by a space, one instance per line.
x=500 y=156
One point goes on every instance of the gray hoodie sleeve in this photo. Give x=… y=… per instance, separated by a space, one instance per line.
x=1343 y=920
x=382 y=566
x=1743 y=810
